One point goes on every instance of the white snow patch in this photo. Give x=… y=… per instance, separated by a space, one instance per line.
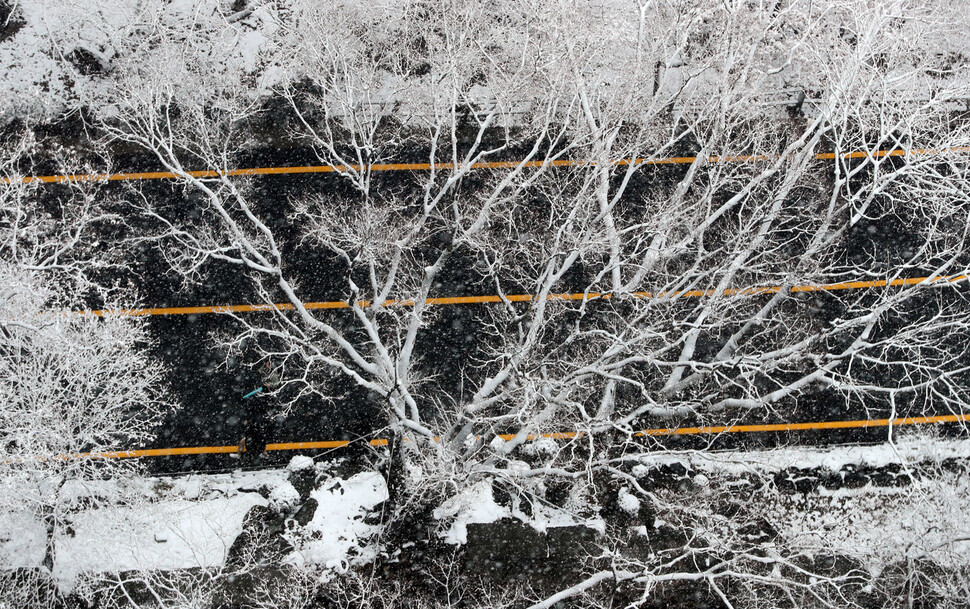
x=476 y=505
x=907 y=449
x=628 y=502
x=515 y=466
x=176 y=534
x=300 y=463
x=229 y=484
x=473 y=505
x=337 y=526
x=22 y=540
x=545 y=516
x=639 y=470
x=190 y=487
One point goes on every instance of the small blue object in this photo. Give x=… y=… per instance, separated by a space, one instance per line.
x=252 y=393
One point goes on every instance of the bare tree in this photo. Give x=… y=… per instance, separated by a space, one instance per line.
x=693 y=274
x=424 y=223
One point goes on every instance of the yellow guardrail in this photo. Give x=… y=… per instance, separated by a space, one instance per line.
x=457 y=300
x=264 y=171
x=673 y=431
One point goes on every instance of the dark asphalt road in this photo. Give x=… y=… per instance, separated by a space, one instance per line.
x=206 y=388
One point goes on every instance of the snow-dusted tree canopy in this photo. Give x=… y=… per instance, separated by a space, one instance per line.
x=819 y=142
x=71 y=385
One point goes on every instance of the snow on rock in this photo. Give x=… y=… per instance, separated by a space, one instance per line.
x=640 y=470
x=190 y=487
x=516 y=466
x=627 y=502
x=333 y=537
x=300 y=463
x=911 y=448
x=302 y=475
x=545 y=517
x=473 y=505
x=882 y=525
x=102 y=491
x=283 y=498
x=176 y=534
x=476 y=505
x=545 y=447
x=247 y=481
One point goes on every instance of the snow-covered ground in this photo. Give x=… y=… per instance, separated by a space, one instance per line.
x=22 y=539
x=168 y=534
x=332 y=537
x=141 y=525
x=881 y=526
x=189 y=522
x=63 y=55
x=877 y=525
x=180 y=523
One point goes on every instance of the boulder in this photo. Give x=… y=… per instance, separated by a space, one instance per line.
x=302 y=475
